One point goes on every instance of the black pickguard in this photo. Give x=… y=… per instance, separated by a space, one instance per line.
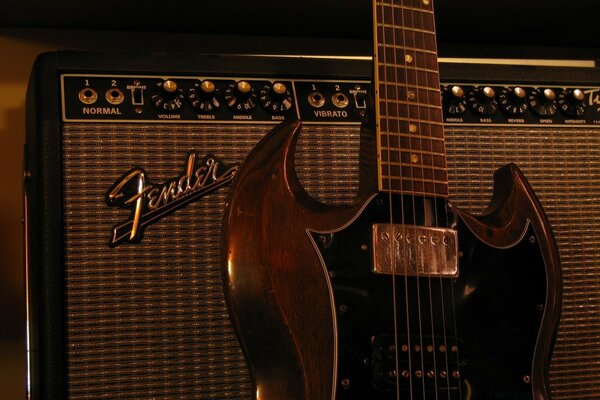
x=472 y=337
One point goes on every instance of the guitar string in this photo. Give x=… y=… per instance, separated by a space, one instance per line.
x=422 y=132
x=404 y=259
x=399 y=84
x=414 y=120
x=420 y=111
x=435 y=343
x=391 y=245
x=445 y=224
x=448 y=349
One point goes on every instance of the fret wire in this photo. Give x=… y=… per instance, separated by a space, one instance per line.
x=423 y=105
x=406 y=119
x=424 y=156
x=432 y=153
x=413 y=103
x=424 y=118
x=415 y=3
x=421 y=77
x=418 y=4
x=436 y=193
x=414 y=87
x=432 y=141
x=402 y=142
x=403 y=126
x=415 y=119
x=409 y=48
x=408 y=86
x=405 y=7
x=403 y=164
x=404 y=21
x=425 y=42
x=440 y=191
x=410 y=67
x=428 y=189
x=420 y=193
x=432 y=96
x=434 y=181
x=413 y=135
x=392 y=164
x=406 y=28
x=425 y=25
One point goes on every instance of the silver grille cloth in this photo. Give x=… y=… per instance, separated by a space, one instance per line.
x=563 y=166
x=150 y=321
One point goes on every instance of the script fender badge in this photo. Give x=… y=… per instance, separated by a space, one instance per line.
x=150 y=202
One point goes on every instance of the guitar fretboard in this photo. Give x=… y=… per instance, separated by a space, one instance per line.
x=411 y=151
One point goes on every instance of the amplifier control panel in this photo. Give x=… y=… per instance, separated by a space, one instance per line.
x=514 y=104
x=210 y=99
x=185 y=99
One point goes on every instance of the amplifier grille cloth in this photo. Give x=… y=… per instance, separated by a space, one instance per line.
x=563 y=166
x=149 y=321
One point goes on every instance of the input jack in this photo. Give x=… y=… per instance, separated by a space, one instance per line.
x=88 y=96
x=115 y=96
x=340 y=100
x=316 y=99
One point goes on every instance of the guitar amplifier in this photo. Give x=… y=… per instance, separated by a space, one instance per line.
x=128 y=164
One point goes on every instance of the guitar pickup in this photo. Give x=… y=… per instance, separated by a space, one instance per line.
x=410 y=250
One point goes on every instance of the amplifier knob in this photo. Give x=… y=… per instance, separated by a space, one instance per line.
x=543 y=102
x=203 y=96
x=482 y=100
x=240 y=96
x=570 y=101
x=513 y=100
x=167 y=96
x=276 y=98
x=454 y=99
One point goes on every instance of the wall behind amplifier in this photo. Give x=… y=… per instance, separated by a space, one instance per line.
x=150 y=318
x=14 y=75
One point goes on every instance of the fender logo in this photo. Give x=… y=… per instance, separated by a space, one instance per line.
x=149 y=203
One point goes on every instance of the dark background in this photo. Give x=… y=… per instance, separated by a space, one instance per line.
x=466 y=28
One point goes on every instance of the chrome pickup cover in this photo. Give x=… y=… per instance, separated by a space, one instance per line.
x=415 y=250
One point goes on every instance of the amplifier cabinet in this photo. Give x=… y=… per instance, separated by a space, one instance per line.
x=559 y=153
x=128 y=164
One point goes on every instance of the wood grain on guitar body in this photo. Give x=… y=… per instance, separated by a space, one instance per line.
x=400 y=296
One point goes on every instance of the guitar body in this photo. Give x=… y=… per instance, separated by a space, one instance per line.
x=316 y=323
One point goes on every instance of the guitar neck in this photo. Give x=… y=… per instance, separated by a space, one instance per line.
x=411 y=154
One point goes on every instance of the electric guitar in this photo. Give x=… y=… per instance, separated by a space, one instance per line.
x=401 y=296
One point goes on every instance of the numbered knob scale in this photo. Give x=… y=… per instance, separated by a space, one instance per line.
x=543 y=102
x=276 y=98
x=240 y=96
x=482 y=100
x=167 y=96
x=455 y=101
x=570 y=101
x=203 y=96
x=513 y=100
